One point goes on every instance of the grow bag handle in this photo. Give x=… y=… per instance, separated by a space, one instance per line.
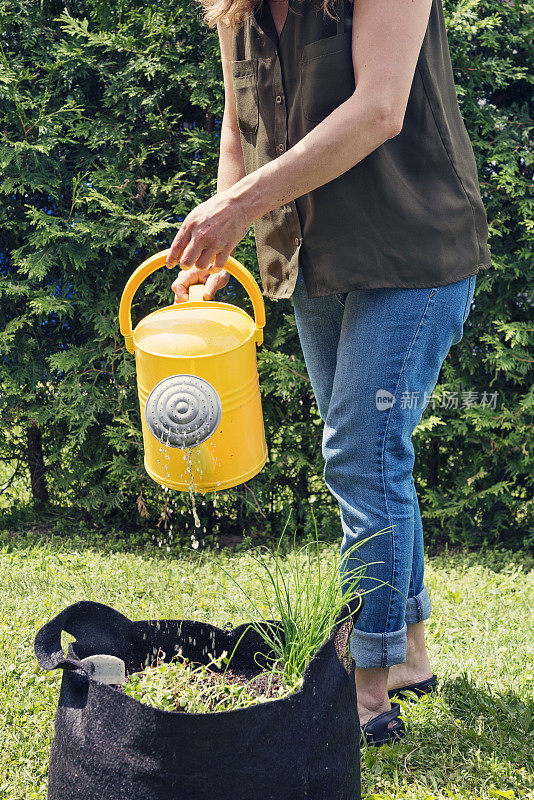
x=96 y=628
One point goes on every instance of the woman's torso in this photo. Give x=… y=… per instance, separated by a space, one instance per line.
x=410 y=214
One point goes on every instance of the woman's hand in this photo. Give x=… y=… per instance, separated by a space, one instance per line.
x=186 y=278
x=207 y=236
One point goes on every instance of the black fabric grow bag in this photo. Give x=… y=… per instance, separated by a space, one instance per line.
x=108 y=746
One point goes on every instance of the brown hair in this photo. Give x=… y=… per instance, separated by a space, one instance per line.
x=232 y=13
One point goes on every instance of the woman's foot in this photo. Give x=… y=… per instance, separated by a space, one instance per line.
x=372 y=685
x=372 y=693
x=417 y=667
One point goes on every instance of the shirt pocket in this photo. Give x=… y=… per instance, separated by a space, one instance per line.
x=326 y=75
x=245 y=84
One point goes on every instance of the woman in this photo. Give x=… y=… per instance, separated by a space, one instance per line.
x=343 y=144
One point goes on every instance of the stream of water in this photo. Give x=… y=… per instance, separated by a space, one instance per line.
x=193 y=459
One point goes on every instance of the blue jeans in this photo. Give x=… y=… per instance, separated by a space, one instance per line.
x=373 y=357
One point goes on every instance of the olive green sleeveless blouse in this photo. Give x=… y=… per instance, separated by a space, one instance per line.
x=408 y=215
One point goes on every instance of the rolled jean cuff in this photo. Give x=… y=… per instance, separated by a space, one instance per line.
x=418 y=608
x=378 y=649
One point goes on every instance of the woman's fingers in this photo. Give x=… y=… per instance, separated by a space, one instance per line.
x=222 y=257
x=179 y=244
x=191 y=255
x=201 y=274
x=206 y=257
x=216 y=281
x=198 y=252
x=185 y=279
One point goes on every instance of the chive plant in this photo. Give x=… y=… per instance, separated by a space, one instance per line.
x=305 y=593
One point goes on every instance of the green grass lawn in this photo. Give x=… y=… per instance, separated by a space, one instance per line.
x=473 y=739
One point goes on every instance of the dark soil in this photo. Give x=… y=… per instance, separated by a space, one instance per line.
x=266 y=684
x=263 y=684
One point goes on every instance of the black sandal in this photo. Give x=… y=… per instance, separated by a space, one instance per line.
x=376 y=731
x=421 y=688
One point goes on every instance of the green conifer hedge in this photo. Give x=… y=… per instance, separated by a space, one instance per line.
x=109 y=129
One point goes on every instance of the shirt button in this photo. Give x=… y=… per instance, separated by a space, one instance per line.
x=278 y=98
x=298 y=240
x=281 y=148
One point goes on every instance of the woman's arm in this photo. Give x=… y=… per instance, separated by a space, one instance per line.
x=386 y=40
x=231 y=169
x=231 y=163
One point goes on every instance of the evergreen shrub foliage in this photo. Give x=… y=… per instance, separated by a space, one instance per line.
x=109 y=131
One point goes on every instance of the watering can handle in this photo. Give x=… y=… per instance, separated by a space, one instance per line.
x=158 y=260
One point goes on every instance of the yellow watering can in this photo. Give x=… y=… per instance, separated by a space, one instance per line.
x=198 y=385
